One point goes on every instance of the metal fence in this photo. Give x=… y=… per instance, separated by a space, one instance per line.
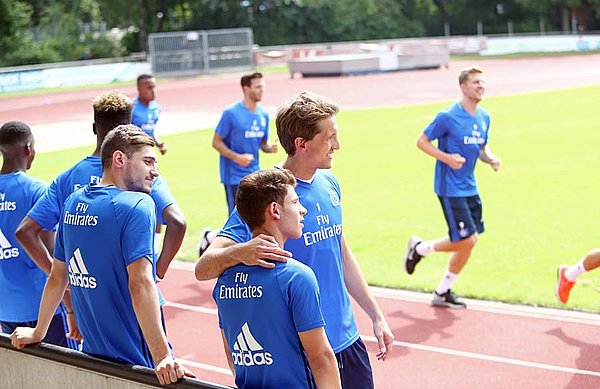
x=193 y=52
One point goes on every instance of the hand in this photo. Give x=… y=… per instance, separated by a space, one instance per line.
x=385 y=339
x=495 y=162
x=271 y=148
x=23 y=336
x=169 y=371
x=163 y=148
x=455 y=161
x=243 y=159
x=258 y=250
x=74 y=332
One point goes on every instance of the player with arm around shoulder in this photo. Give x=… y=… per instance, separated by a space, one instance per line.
x=271 y=319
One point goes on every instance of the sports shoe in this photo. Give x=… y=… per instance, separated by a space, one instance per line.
x=204 y=243
x=412 y=257
x=563 y=285
x=447 y=300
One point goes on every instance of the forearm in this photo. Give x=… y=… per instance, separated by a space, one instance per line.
x=53 y=294
x=214 y=262
x=428 y=148
x=172 y=241
x=326 y=372
x=29 y=237
x=144 y=297
x=225 y=151
x=486 y=155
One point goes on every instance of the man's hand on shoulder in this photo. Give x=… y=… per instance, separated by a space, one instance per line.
x=259 y=251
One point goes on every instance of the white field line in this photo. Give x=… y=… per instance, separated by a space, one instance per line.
x=420 y=347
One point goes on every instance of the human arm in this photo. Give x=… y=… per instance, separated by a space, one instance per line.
x=174 y=234
x=51 y=297
x=269 y=147
x=224 y=253
x=487 y=156
x=144 y=298
x=37 y=243
x=455 y=161
x=240 y=159
x=359 y=290
x=228 y=353
x=320 y=358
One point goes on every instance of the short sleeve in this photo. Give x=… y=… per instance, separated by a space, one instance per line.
x=437 y=128
x=137 y=234
x=46 y=211
x=266 y=136
x=235 y=228
x=305 y=301
x=162 y=197
x=224 y=126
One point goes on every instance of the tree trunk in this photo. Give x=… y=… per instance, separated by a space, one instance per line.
x=142 y=25
x=565 y=17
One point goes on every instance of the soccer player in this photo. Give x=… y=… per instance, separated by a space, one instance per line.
x=241 y=132
x=104 y=252
x=307 y=129
x=21 y=279
x=461 y=131
x=146 y=110
x=567 y=275
x=110 y=110
x=271 y=319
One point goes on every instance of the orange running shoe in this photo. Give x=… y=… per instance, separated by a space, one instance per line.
x=563 y=286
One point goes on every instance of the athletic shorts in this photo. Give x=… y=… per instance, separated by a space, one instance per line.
x=463 y=216
x=57 y=331
x=355 y=368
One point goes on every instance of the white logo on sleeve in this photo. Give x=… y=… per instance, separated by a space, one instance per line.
x=6 y=249
x=78 y=273
x=248 y=352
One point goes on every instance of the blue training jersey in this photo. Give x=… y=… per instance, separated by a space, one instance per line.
x=320 y=247
x=261 y=312
x=21 y=281
x=47 y=210
x=457 y=131
x=102 y=231
x=145 y=117
x=242 y=131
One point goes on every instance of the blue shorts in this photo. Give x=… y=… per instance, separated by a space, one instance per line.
x=355 y=368
x=57 y=331
x=230 y=191
x=463 y=216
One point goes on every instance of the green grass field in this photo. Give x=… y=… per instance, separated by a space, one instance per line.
x=539 y=209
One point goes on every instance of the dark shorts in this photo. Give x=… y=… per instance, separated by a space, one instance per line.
x=463 y=216
x=230 y=191
x=355 y=368
x=57 y=331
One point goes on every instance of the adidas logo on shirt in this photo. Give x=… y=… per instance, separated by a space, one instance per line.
x=78 y=273
x=6 y=249
x=248 y=352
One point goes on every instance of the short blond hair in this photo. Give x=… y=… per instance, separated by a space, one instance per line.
x=466 y=72
x=111 y=109
x=299 y=116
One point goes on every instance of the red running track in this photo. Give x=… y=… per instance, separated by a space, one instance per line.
x=489 y=345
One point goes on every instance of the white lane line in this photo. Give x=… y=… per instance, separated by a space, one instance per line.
x=204 y=366
x=562 y=315
x=434 y=349
x=485 y=357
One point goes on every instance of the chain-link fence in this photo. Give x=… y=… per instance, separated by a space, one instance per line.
x=193 y=52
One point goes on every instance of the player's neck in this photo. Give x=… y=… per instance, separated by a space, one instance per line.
x=144 y=102
x=298 y=168
x=250 y=104
x=469 y=105
x=12 y=166
x=269 y=229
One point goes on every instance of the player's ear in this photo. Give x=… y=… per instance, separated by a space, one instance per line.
x=119 y=158
x=274 y=211
x=300 y=143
